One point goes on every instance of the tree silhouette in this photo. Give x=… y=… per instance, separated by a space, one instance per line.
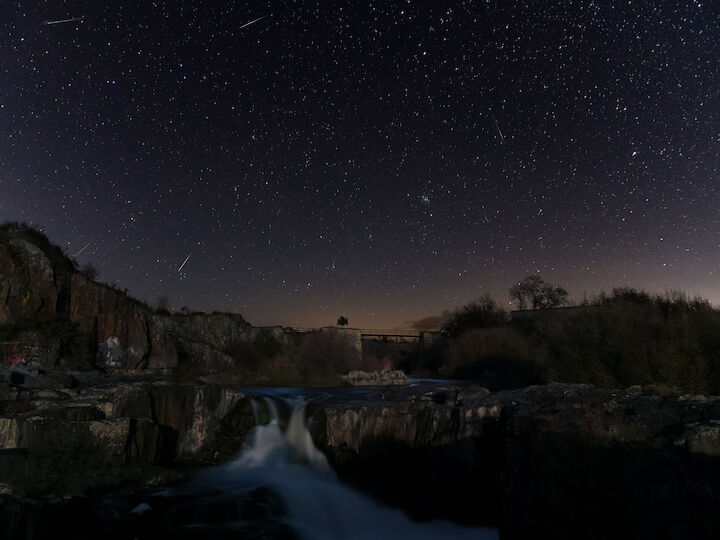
x=481 y=313
x=533 y=292
x=342 y=320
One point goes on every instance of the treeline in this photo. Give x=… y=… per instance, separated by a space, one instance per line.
x=624 y=338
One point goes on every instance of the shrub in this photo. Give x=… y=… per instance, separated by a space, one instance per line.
x=482 y=313
x=495 y=357
x=631 y=337
x=251 y=352
x=326 y=354
x=424 y=360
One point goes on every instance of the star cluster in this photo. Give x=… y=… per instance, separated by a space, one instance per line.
x=386 y=160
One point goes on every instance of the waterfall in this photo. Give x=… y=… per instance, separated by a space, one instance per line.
x=256 y=415
x=319 y=507
x=272 y=408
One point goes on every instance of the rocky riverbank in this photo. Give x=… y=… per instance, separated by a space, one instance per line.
x=556 y=458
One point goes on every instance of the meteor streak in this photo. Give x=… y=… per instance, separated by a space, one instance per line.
x=61 y=21
x=83 y=249
x=502 y=137
x=184 y=262
x=253 y=22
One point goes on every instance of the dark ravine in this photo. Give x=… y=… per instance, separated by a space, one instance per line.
x=557 y=458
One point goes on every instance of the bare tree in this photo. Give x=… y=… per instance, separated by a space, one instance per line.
x=533 y=292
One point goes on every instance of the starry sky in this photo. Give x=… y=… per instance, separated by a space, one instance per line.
x=383 y=160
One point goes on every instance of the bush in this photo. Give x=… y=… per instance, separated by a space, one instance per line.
x=629 y=338
x=424 y=360
x=482 y=313
x=325 y=355
x=251 y=352
x=495 y=357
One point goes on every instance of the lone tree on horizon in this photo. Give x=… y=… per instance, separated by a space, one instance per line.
x=534 y=293
x=342 y=320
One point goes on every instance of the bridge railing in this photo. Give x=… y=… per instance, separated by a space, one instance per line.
x=369 y=332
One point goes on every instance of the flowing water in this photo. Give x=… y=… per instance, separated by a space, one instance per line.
x=318 y=506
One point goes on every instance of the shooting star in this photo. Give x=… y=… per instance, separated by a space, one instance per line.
x=83 y=249
x=253 y=22
x=185 y=261
x=502 y=137
x=62 y=21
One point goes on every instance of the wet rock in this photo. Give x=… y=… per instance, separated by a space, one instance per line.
x=701 y=438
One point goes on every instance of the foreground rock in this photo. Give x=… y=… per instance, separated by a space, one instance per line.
x=558 y=461
x=194 y=515
x=376 y=378
x=561 y=461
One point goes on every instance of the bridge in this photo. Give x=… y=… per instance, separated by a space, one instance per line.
x=370 y=334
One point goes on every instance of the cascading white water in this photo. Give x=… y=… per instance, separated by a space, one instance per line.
x=256 y=415
x=319 y=507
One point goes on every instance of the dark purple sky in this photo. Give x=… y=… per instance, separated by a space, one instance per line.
x=386 y=160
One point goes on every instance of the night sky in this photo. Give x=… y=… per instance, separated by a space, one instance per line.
x=384 y=160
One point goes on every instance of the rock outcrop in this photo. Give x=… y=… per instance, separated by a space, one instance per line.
x=542 y=461
x=52 y=315
x=69 y=441
x=558 y=461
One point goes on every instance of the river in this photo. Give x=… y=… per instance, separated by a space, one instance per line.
x=280 y=455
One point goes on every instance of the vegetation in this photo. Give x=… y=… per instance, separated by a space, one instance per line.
x=620 y=339
x=314 y=358
x=500 y=357
x=325 y=355
x=533 y=292
x=342 y=321
x=251 y=352
x=482 y=313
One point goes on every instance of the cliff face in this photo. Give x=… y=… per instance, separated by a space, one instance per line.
x=29 y=285
x=52 y=315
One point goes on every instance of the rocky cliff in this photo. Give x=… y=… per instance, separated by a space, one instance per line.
x=53 y=315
